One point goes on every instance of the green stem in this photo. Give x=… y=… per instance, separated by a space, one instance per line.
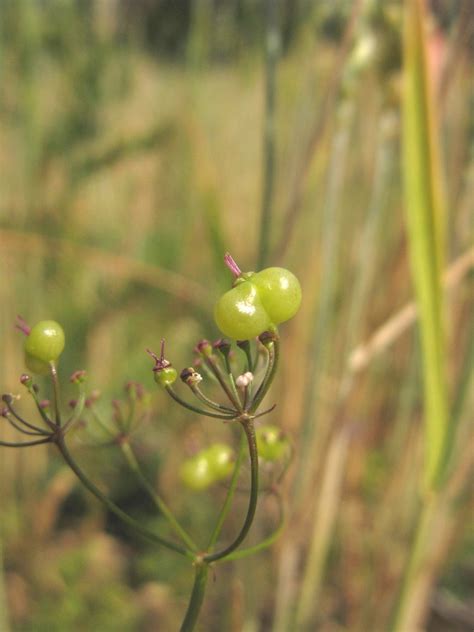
x=230 y=495
x=56 y=397
x=197 y=597
x=230 y=375
x=24 y=444
x=24 y=422
x=134 y=524
x=159 y=502
x=273 y=357
x=403 y=612
x=206 y=400
x=214 y=368
x=195 y=409
x=43 y=415
x=252 y=446
x=78 y=408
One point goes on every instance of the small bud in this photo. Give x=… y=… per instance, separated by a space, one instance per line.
x=223 y=346
x=267 y=338
x=190 y=377
x=135 y=390
x=7 y=398
x=72 y=403
x=204 y=347
x=26 y=380
x=78 y=377
x=4 y=412
x=244 y=380
x=44 y=404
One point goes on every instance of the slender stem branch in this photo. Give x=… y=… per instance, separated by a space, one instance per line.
x=159 y=502
x=23 y=421
x=24 y=444
x=20 y=428
x=229 y=496
x=42 y=413
x=197 y=597
x=214 y=368
x=128 y=520
x=273 y=357
x=230 y=376
x=268 y=541
x=205 y=400
x=56 y=390
x=78 y=408
x=195 y=409
x=252 y=446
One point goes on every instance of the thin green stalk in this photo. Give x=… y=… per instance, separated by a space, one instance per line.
x=272 y=52
x=272 y=366
x=264 y=544
x=211 y=363
x=24 y=444
x=229 y=496
x=407 y=603
x=43 y=415
x=195 y=409
x=424 y=205
x=56 y=393
x=77 y=412
x=252 y=446
x=197 y=597
x=131 y=459
x=131 y=522
x=205 y=400
x=24 y=422
x=231 y=379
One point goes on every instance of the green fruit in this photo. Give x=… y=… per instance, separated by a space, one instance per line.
x=166 y=376
x=36 y=366
x=240 y=314
x=221 y=460
x=196 y=473
x=272 y=444
x=258 y=302
x=45 y=341
x=280 y=293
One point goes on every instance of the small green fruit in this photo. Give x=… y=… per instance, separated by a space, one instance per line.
x=45 y=341
x=272 y=444
x=196 y=472
x=166 y=376
x=221 y=460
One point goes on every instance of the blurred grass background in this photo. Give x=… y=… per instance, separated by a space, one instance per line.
x=135 y=150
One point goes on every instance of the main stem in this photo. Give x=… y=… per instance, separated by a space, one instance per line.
x=197 y=596
x=249 y=430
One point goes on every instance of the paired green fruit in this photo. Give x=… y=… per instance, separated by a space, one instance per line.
x=207 y=467
x=44 y=344
x=272 y=445
x=258 y=302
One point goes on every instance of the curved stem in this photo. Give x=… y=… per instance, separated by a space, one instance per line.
x=205 y=400
x=43 y=415
x=195 y=409
x=131 y=522
x=273 y=357
x=24 y=444
x=252 y=446
x=230 y=495
x=268 y=541
x=214 y=368
x=78 y=408
x=38 y=432
x=197 y=597
x=159 y=502
x=24 y=422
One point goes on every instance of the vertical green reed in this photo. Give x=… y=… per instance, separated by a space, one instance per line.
x=424 y=211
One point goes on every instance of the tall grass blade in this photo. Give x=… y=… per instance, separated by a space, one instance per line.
x=424 y=209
